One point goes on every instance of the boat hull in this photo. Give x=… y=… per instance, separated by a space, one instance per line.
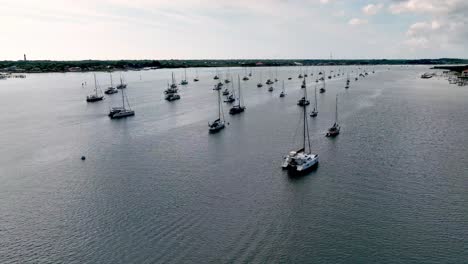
x=94 y=99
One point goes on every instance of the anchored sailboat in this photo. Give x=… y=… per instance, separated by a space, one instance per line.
x=314 y=112
x=335 y=129
x=184 y=81
x=301 y=160
x=283 y=92
x=122 y=85
x=95 y=97
x=218 y=124
x=120 y=112
x=237 y=109
x=111 y=89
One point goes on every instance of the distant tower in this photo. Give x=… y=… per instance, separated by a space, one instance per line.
x=24 y=57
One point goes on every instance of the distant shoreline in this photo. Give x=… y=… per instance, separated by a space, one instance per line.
x=47 y=66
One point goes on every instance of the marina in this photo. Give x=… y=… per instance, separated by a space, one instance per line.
x=158 y=187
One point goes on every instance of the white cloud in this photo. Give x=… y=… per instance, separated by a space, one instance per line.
x=357 y=22
x=372 y=9
x=445 y=27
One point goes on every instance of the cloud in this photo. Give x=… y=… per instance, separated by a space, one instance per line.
x=445 y=27
x=372 y=9
x=357 y=22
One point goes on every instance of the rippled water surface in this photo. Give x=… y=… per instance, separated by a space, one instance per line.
x=157 y=188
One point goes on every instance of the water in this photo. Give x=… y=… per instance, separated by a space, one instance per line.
x=157 y=188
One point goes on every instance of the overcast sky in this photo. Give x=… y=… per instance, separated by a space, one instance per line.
x=224 y=29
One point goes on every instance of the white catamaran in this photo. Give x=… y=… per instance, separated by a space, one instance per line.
x=120 y=112
x=301 y=160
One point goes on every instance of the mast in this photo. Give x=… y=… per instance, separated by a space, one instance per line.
x=305 y=120
x=123 y=99
x=336 y=110
x=95 y=85
x=283 y=86
x=315 y=90
x=112 y=84
x=173 y=79
x=305 y=89
x=239 y=87
x=185 y=74
x=219 y=104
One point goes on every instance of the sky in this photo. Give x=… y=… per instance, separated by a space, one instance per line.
x=233 y=29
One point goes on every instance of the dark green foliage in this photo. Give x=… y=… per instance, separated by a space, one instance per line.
x=98 y=65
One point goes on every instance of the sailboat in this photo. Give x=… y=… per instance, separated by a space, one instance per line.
x=314 y=112
x=303 y=101
x=231 y=98
x=173 y=84
x=283 y=92
x=301 y=160
x=111 y=89
x=120 y=112
x=184 y=81
x=94 y=97
x=322 y=89
x=196 y=79
x=227 y=77
x=303 y=84
x=245 y=77
x=171 y=94
x=237 y=109
x=218 y=124
x=335 y=129
x=122 y=85
x=260 y=83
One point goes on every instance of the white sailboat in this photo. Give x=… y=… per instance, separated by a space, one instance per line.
x=301 y=160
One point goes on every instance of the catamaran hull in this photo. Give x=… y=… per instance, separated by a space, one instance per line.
x=303 y=168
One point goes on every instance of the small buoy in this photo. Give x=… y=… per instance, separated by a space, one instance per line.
x=83 y=157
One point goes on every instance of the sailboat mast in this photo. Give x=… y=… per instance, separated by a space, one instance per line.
x=305 y=89
x=219 y=104
x=283 y=86
x=305 y=120
x=95 y=85
x=336 y=110
x=173 y=80
x=112 y=83
x=239 y=88
x=315 y=107
x=123 y=99
x=185 y=74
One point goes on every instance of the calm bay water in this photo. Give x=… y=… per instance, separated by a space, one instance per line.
x=157 y=188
